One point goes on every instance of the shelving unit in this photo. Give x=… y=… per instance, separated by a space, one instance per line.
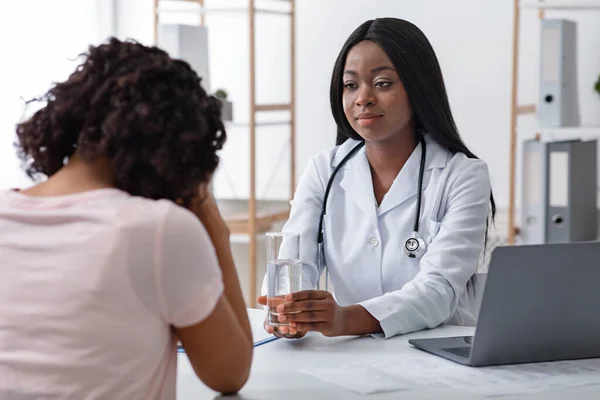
x=560 y=5
x=524 y=109
x=253 y=222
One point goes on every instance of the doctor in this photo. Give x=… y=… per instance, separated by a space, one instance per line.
x=404 y=204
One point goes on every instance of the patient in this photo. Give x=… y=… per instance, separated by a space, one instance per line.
x=121 y=251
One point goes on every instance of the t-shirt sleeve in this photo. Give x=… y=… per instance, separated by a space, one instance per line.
x=189 y=279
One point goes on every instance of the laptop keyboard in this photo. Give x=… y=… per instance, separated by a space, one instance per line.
x=463 y=351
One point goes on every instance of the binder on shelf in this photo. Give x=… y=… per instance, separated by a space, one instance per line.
x=572 y=210
x=558 y=103
x=559 y=191
x=535 y=192
x=189 y=43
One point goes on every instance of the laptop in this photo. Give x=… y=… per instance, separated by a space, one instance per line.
x=540 y=303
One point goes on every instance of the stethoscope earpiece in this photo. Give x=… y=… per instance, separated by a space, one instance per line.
x=415 y=246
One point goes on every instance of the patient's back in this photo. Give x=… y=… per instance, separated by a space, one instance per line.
x=90 y=286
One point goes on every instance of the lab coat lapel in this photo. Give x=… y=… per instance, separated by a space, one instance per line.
x=405 y=184
x=358 y=184
x=357 y=181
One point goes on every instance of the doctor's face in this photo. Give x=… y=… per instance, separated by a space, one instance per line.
x=374 y=99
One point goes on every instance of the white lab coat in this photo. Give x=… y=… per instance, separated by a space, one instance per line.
x=363 y=242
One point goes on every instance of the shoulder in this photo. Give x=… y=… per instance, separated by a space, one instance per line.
x=467 y=180
x=176 y=235
x=316 y=175
x=321 y=165
x=329 y=158
x=462 y=167
x=456 y=168
x=156 y=216
x=176 y=220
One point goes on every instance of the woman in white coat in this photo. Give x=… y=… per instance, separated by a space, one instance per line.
x=396 y=139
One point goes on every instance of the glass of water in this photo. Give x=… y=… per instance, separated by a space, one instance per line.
x=284 y=271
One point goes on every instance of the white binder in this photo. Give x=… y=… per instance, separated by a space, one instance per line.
x=572 y=211
x=558 y=103
x=189 y=43
x=535 y=192
x=559 y=191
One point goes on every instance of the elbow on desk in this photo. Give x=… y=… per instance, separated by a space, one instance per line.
x=219 y=350
x=231 y=385
x=233 y=377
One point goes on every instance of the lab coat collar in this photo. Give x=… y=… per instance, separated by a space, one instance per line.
x=358 y=183
x=437 y=156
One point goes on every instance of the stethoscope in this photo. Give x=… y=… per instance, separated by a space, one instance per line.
x=414 y=246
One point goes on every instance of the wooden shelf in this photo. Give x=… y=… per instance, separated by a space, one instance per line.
x=517 y=110
x=273 y=107
x=561 y=4
x=224 y=10
x=526 y=109
x=263 y=123
x=570 y=131
x=240 y=223
x=248 y=218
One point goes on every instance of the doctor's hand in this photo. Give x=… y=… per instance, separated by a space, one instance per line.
x=279 y=331
x=313 y=310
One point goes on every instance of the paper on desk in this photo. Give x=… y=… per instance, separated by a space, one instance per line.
x=361 y=379
x=528 y=378
x=405 y=373
x=497 y=380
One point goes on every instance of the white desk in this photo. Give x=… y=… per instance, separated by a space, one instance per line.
x=277 y=380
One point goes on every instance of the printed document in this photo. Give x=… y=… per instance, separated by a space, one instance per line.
x=407 y=373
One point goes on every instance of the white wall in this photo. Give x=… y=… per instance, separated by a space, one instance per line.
x=40 y=39
x=472 y=39
x=229 y=66
x=473 y=43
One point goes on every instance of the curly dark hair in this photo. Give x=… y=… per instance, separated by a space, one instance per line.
x=135 y=105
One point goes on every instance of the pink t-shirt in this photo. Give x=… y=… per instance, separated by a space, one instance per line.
x=90 y=285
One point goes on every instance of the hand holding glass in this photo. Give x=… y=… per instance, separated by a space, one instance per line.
x=284 y=271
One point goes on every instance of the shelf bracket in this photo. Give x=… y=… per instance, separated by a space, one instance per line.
x=526 y=109
x=273 y=107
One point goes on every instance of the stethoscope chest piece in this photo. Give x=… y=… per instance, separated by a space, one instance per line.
x=415 y=246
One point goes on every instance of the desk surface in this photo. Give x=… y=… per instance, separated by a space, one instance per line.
x=276 y=365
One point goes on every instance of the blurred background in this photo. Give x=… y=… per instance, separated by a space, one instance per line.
x=274 y=81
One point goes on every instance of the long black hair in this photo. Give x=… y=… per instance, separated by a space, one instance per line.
x=417 y=66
